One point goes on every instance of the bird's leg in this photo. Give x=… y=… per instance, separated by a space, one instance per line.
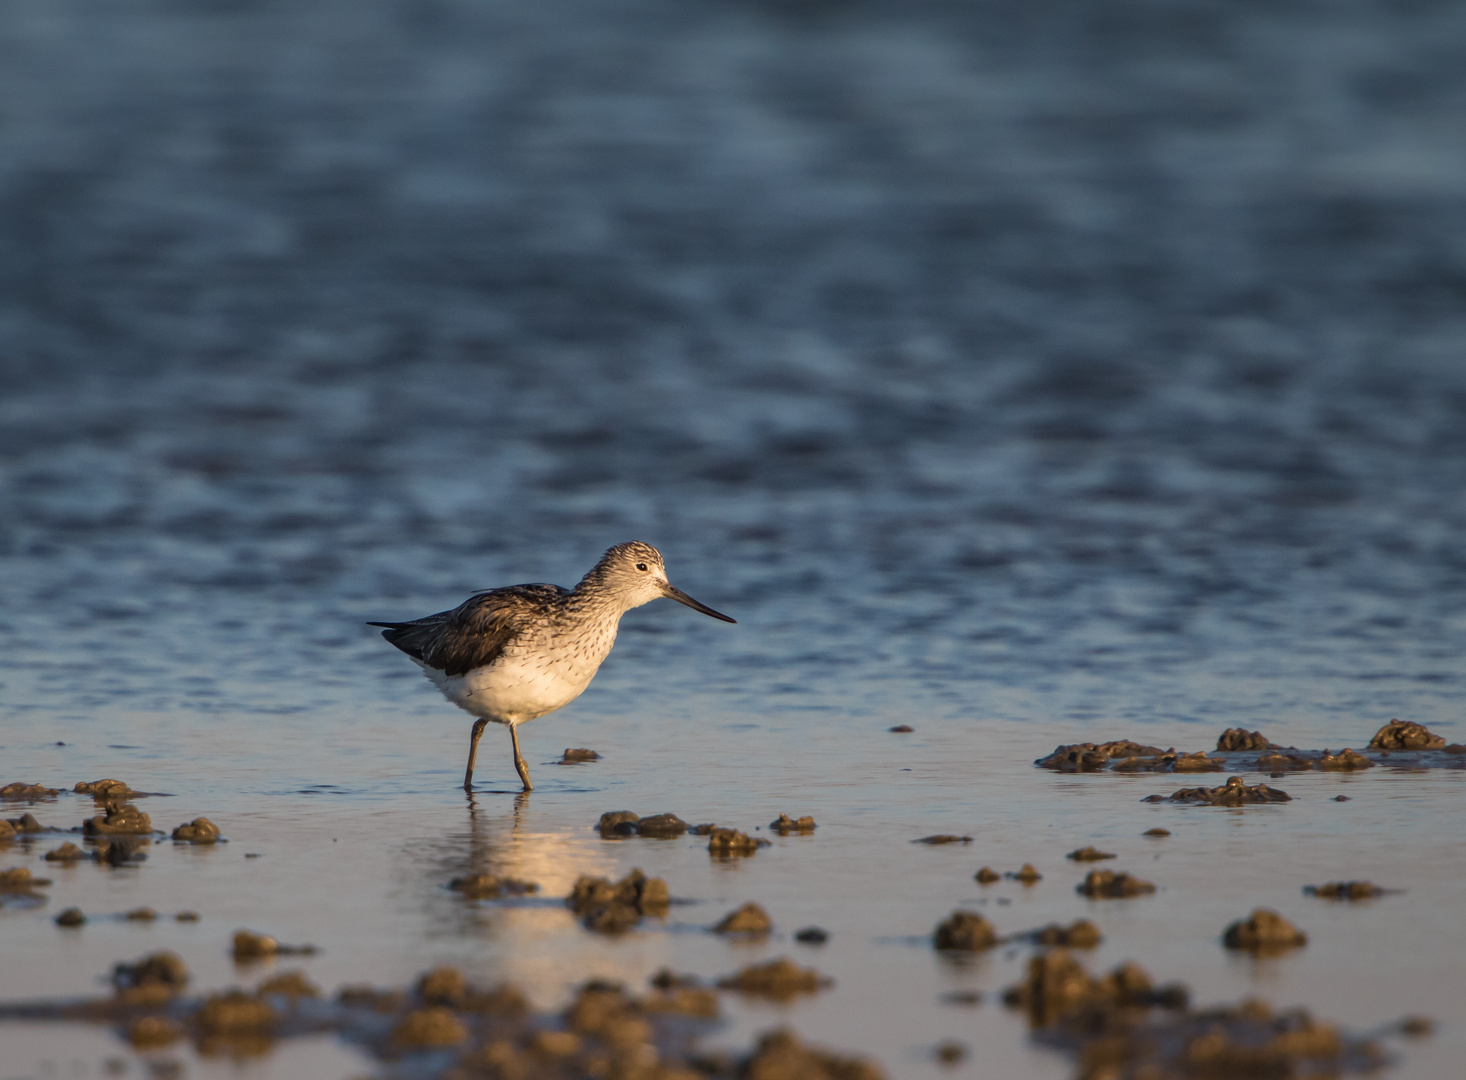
x=519 y=760
x=478 y=729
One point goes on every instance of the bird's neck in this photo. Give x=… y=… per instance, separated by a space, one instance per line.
x=596 y=600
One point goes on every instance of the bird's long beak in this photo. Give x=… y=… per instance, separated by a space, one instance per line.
x=682 y=598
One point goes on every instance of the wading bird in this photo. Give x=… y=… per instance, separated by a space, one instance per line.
x=515 y=653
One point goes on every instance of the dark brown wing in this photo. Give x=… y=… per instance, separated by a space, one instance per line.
x=474 y=633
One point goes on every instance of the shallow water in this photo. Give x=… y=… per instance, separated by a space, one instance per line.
x=1024 y=374
x=359 y=869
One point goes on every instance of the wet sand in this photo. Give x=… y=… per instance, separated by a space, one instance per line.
x=361 y=871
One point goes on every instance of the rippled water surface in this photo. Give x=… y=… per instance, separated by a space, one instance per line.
x=1024 y=373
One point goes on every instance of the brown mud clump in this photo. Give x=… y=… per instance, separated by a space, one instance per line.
x=447 y=987
x=442 y=986
x=780 y=979
x=235 y=1012
x=7 y=831
x=1283 y=763
x=986 y=876
x=1120 y=1027
x=292 y=985
x=251 y=946
x=124 y=820
x=141 y=914
x=902 y=729
x=605 y=1032
x=1089 y=854
x=943 y=838
x=1234 y=792
x=1058 y=989
x=784 y=824
x=1345 y=760
x=618 y=823
x=661 y=826
x=23 y=792
x=1415 y=1026
x=1092 y=757
x=488 y=887
x=154 y=980
x=615 y=907
x=1080 y=934
x=1156 y=832
x=426 y=1029
x=107 y=791
x=1025 y=874
x=781 y=1056
x=26 y=823
x=1345 y=890
x=120 y=850
x=730 y=842
x=1425 y=750
x=965 y=931
x=1197 y=762
x=750 y=919
x=1112 y=885
x=149 y=1032
x=1263 y=932
x=1170 y=761
x=950 y=1052
x=625 y=823
x=67 y=852
x=18 y=879
x=198 y=831
x=681 y=997
x=575 y=755
x=1241 y=739
x=1405 y=735
x=72 y=916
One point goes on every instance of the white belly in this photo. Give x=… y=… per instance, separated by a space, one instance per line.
x=519 y=685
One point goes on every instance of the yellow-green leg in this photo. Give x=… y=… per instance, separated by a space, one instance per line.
x=478 y=729
x=519 y=760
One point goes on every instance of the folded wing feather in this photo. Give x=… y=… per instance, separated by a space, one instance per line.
x=474 y=633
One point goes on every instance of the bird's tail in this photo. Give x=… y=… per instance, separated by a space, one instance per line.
x=393 y=630
x=400 y=635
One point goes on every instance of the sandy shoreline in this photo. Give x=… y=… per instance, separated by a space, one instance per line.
x=363 y=875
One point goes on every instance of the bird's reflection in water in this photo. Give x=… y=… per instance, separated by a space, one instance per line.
x=514 y=844
x=531 y=940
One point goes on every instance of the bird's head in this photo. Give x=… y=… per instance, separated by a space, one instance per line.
x=635 y=573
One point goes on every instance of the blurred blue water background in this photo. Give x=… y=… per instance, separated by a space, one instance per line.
x=1087 y=359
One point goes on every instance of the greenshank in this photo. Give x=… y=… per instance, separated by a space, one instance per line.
x=516 y=653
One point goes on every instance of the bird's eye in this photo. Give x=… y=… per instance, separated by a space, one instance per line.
x=641 y=566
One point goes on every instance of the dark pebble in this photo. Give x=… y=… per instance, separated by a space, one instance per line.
x=1417 y=1026
x=951 y=1052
